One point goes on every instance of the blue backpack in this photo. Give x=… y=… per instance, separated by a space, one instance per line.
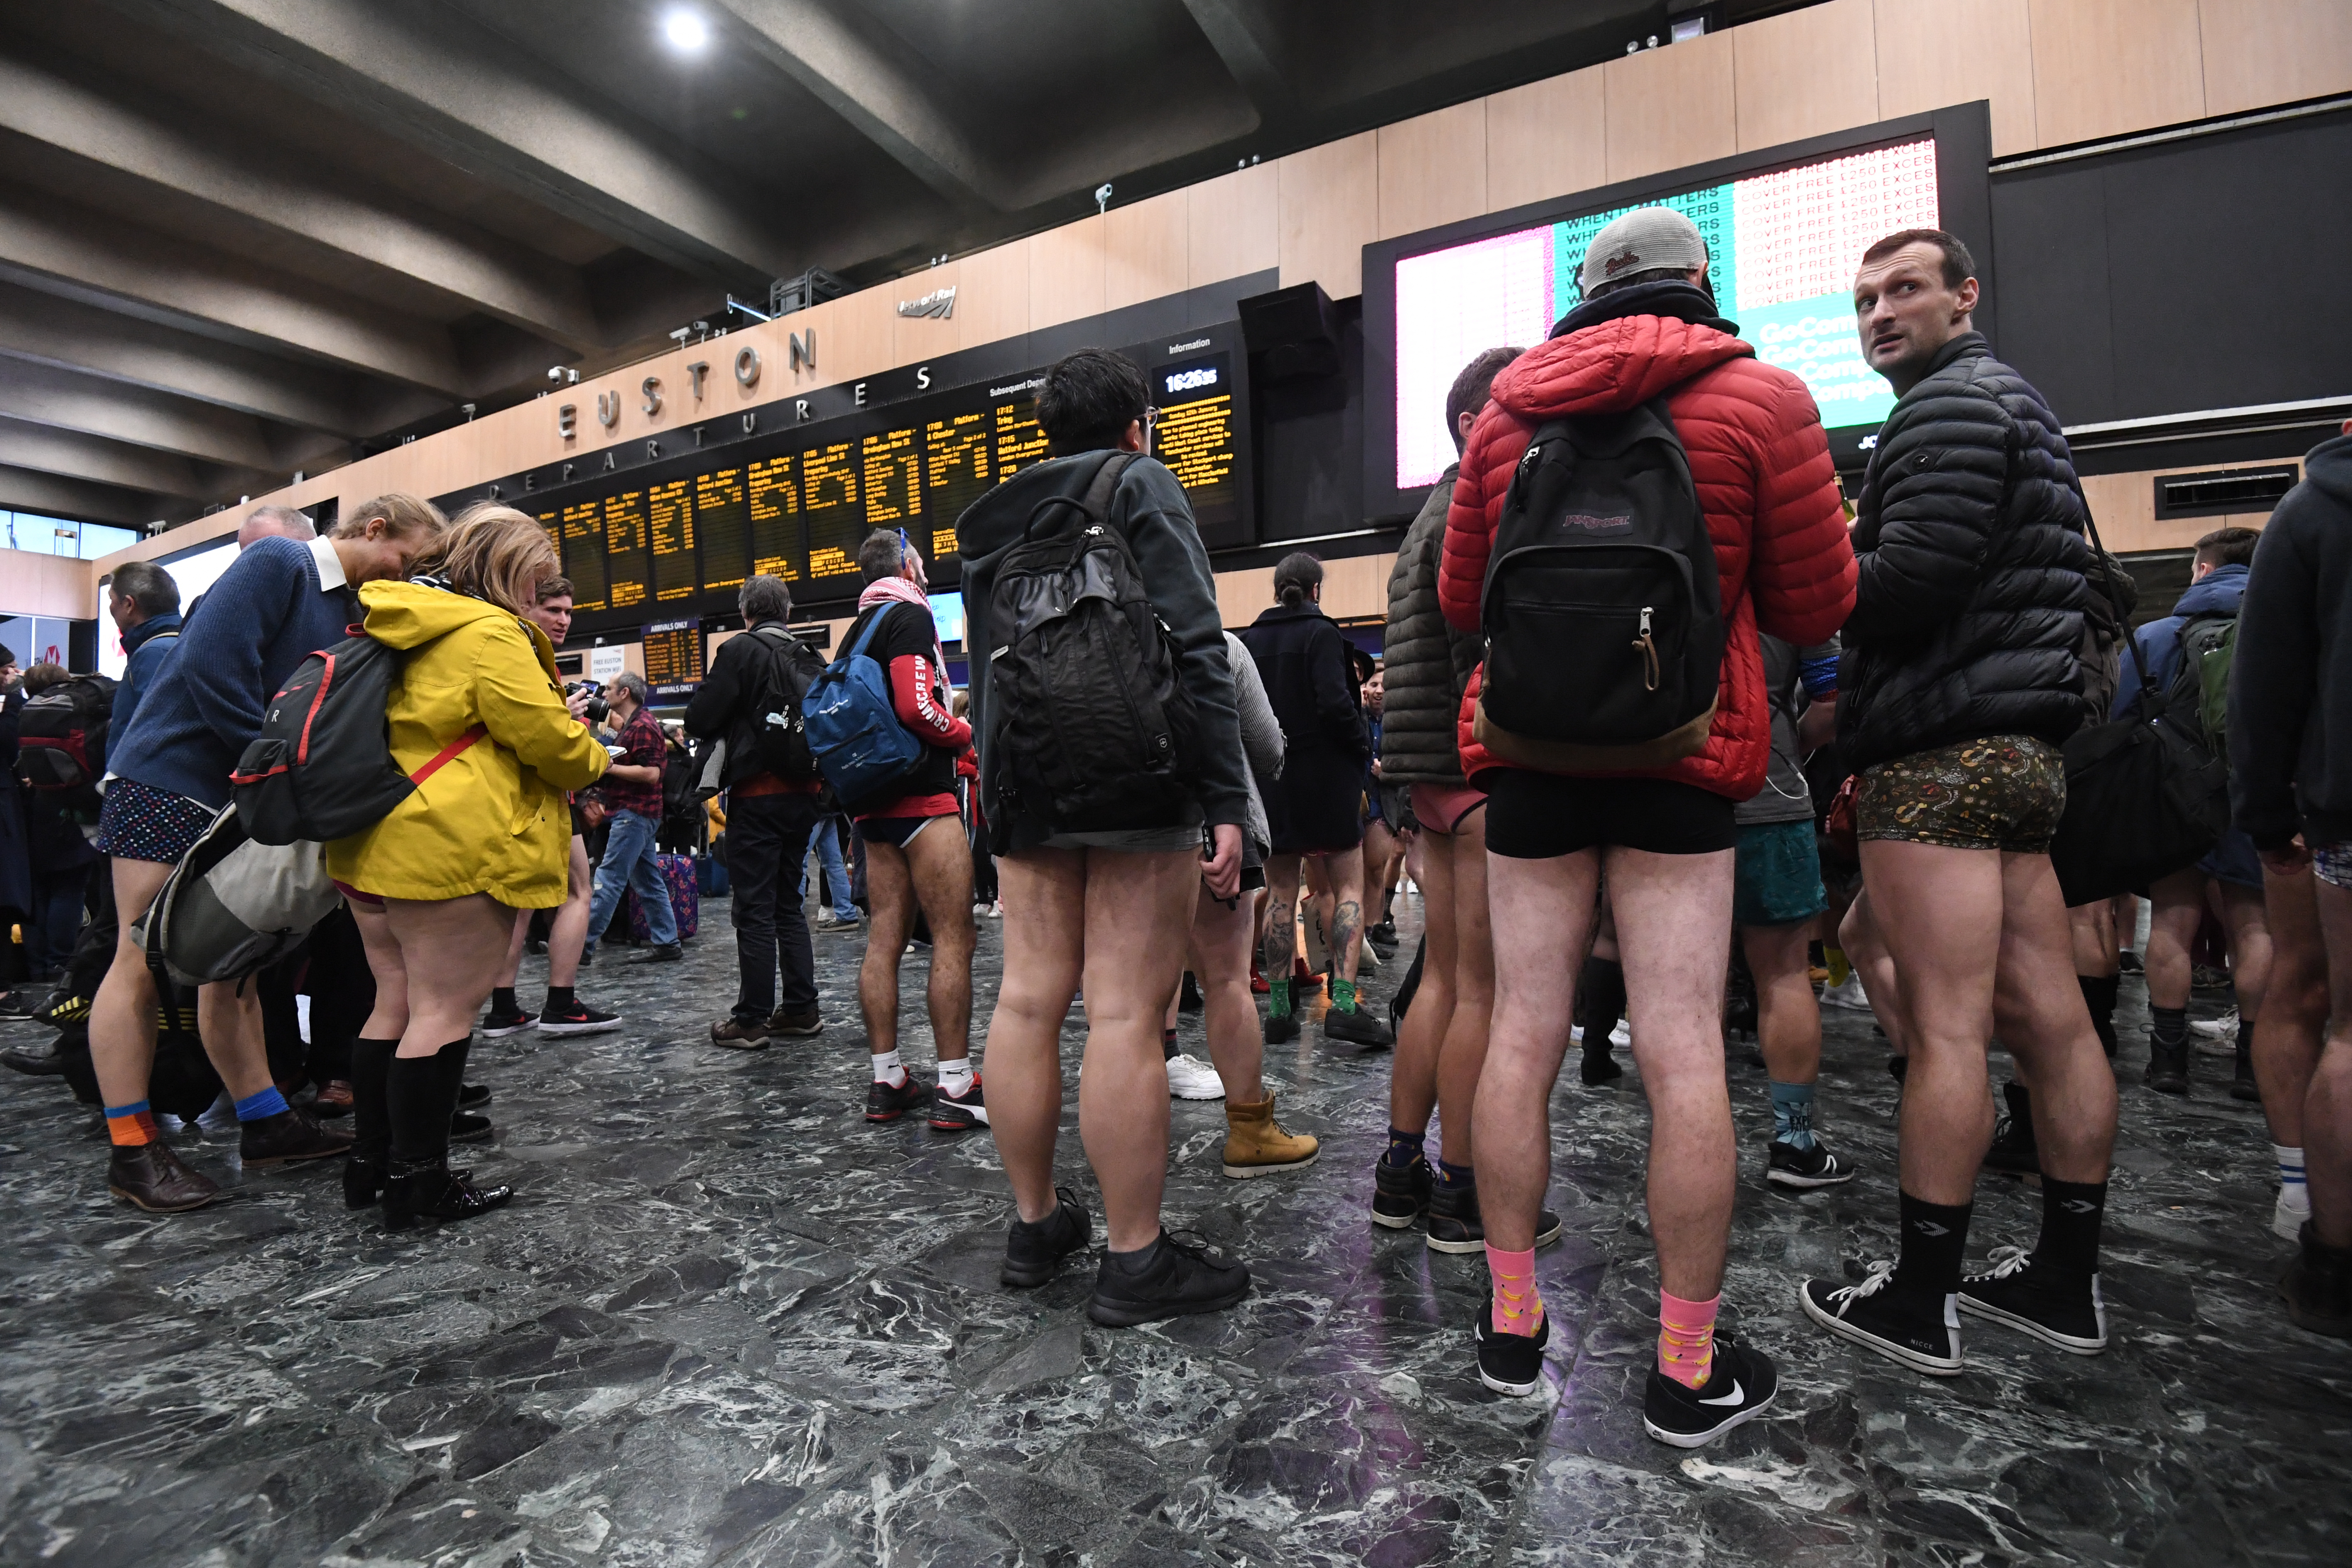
x=853 y=730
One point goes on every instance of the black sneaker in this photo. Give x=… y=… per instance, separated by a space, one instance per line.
x=1598 y=1068
x=1281 y=1028
x=1739 y=1387
x=1177 y=1279
x=1400 y=1193
x=62 y=1008
x=2241 y=1081
x=1893 y=1324
x=2055 y=1311
x=2168 y=1066
x=577 y=1019
x=1790 y=1166
x=2130 y=962
x=1189 y=999
x=889 y=1101
x=2317 y=1286
x=1383 y=934
x=661 y=953
x=466 y=1128
x=1510 y=1364
x=1455 y=1226
x=1033 y=1252
x=473 y=1096
x=2013 y=1152
x=1357 y=1027
x=500 y=1022
x=960 y=1112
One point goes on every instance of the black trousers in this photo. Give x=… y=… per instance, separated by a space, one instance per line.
x=767 y=839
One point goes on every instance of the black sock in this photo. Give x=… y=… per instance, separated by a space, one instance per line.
x=1167 y=1044
x=2099 y=995
x=502 y=999
x=2168 y=1027
x=559 y=999
x=1411 y=985
x=1137 y=1261
x=420 y=1096
x=2071 y=1212
x=1933 y=1238
x=1600 y=1001
x=370 y=1124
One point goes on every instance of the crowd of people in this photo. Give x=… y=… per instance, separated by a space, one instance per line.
x=1665 y=732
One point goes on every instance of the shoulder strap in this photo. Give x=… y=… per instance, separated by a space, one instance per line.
x=881 y=614
x=2123 y=628
x=1096 y=503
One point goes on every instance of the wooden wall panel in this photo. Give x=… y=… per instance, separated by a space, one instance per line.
x=65 y=585
x=1146 y=251
x=914 y=339
x=1670 y=107
x=1548 y=139
x=992 y=299
x=1935 y=53
x=2106 y=68
x=863 y=334
x=1432 y=169
x=2261 y=52
x=1065 y=273
x=1805 y=73
x=2124 y=508
x=1330 y=209
x=1234 y=225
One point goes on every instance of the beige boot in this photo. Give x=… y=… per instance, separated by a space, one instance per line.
x=1257 y=1146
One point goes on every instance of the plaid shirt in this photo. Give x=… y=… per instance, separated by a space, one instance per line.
x=642 y=743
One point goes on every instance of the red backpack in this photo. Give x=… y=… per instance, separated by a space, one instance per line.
x=63 y=734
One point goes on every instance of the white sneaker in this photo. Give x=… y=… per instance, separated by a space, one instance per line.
x=996 y=910
x=823 y=919
x=1849 y=994
x=2216 y=1036
x=1622 y=1036
x=2293 y=1208
x=1189 y=1078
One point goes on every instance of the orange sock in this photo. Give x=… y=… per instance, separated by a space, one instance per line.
x=1518 y=1305
x=1686 y=1337
x=131 y=1126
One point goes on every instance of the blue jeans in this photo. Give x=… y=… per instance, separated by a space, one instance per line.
x=825 y=844
x=629 y=865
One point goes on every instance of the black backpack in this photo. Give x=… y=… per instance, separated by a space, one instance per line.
x=63 y=735
x=1088 y=727
x=777 y=730
x=321 y=768
x=1602 y=611
x=2196 y=702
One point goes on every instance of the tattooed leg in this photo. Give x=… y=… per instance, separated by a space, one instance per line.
x=1345 y=871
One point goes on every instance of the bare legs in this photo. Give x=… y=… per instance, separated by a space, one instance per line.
x=455 y=944
x=1221 y=955
x=122 y=1014
x=1117 y=922
x=1442 y=1045
x=933 y=871
x=566 y=936
x=2289 y=1033
x=1787 y=1018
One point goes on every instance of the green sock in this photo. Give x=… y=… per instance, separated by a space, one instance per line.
x=1343 y=994
x=1277 y=997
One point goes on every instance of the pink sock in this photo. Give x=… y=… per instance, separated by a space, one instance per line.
x=1518 y=1305
x=1686 y=1337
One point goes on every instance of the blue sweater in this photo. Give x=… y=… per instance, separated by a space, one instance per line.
x=146 y=646
x=264 y=616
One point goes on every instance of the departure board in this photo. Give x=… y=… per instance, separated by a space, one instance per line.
x=551 y=525
x=669 y=524
x=1019 y=441
x=672 y=655
x=722 y=524
x=624 y=547
x=584 y=555
x=829 y=508
x=956 y=473
x=1195 y=435
x=775 y=506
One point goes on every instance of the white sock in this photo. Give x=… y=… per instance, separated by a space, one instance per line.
x=887 y=1069
x=955 y=1076
x=2292 y=1191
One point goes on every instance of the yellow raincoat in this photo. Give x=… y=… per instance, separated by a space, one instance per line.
x=492 y=819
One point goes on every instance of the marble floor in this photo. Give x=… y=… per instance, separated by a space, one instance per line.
x=727 y=1323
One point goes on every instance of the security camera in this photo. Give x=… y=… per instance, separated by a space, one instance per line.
x=1102 y=196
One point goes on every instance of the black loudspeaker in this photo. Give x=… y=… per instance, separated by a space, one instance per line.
x=1293 y=334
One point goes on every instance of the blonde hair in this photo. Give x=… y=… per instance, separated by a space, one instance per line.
x=402 y=515
x=494 y=552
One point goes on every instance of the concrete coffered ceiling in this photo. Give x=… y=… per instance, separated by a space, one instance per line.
x=244 y=237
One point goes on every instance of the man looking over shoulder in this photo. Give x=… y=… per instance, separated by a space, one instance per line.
x=1959 y=684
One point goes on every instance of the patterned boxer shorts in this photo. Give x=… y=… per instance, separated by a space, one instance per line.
x=2332 y=864
x=2005 y=792
x=140 y=822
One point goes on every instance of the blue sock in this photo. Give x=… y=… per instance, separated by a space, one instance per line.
x=1456 y=1176
x=254 y=1106
x=1792 y=1114
x=1404 y=1148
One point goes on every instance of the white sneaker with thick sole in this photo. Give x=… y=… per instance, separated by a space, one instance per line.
x=1189 y=1078
x=1849 y=994
x=2216 y=1036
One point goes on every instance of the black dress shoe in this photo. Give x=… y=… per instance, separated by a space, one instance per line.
x=288 y=1138
x=413 y=1198
x=152 y=1177
x=37 y=1062
x=668 y=952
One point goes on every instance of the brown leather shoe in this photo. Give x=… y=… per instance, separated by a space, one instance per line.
x=801 y=1021
x=152 y=1177
x=737 y=1034
x=289 y=1138
x=334 y=1100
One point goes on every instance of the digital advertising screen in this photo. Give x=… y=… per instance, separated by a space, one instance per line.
x=1783 y=241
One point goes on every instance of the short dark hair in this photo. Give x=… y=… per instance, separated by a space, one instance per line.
x=1295 y=576
x=1959 y=265
x=41 y=677
x=2228 y=547
x=1472 y=387
x=557 y=587
x=151 y=589
x=1089 y=399
x=883 y=555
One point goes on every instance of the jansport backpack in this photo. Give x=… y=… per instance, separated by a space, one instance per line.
x=321 y=768
x=1603 y=612
x=779 y=727
x=63 y=734
x=1088 y=726
x=853 y=730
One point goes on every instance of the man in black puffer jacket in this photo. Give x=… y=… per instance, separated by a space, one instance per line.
x=1959 y=684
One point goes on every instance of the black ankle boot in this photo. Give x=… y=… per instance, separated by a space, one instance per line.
x=419 y=1187
x=371 y=1123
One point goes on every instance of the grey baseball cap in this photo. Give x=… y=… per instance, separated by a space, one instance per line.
x=1642 y=239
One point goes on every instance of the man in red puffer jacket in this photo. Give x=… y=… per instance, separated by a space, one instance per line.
x=1760 y=463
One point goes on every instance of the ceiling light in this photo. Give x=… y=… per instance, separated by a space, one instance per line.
x=685 y=30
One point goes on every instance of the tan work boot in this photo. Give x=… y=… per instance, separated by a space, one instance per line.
x=1255 y=1145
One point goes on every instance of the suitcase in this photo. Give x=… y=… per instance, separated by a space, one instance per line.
x=684 y=901
x=711 y=875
